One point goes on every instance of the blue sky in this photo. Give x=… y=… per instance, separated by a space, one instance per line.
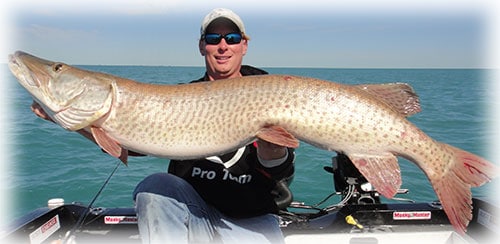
x=314 y=33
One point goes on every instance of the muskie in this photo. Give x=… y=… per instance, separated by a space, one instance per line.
x=366 y=122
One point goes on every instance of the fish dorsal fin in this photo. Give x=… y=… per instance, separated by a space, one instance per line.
x=400 y=96
x=277 y=135
x=382 y=171
x=108 y=144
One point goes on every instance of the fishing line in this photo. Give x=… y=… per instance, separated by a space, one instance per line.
x=69 y=238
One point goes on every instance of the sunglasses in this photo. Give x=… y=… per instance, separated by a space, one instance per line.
x=214 y=39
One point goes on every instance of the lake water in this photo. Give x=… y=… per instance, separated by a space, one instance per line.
x=49 y=162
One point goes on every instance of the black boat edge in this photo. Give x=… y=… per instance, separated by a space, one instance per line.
x=372 y=223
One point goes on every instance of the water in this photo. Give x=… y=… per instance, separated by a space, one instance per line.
x=49 y=162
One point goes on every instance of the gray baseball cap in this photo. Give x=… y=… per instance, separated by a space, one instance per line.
x=223 y=13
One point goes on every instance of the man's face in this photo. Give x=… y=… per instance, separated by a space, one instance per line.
x=223 y=60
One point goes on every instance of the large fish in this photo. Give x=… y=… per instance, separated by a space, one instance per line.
x=366 y=122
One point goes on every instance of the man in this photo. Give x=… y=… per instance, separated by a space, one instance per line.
x=225 y=198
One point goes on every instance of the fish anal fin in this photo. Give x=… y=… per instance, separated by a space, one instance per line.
x=109 y=145
x=400 y=96
x=277 y=135
x=454 y=187
x=382 y=171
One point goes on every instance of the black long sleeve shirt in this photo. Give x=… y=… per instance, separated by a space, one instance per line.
x=236 y=183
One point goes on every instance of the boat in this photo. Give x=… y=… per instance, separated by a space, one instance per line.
x=359 y=218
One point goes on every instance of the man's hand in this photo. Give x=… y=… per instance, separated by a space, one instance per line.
x=38 y=110
x=270 y=151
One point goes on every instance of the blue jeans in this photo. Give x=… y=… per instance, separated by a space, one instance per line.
x=170 y=210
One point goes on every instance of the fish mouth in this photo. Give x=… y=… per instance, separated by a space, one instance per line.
x=22 y=72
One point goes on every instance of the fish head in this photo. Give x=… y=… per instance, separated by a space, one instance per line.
x=72 y=97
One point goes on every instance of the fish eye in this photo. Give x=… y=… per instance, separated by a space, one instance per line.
x=57 y=67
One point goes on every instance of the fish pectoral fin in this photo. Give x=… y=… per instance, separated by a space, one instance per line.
x=399 y=96
x=382 y=171
x=109 y=145
x=278 y=135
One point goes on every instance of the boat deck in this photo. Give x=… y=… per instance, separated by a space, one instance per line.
x=374 y=224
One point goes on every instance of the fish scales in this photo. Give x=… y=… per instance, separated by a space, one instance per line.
x=368 y=123
x=202 y=110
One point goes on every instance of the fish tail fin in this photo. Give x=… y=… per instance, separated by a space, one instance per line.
x=454 y=187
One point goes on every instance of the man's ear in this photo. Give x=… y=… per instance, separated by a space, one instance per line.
x=245 y=47
x=201 y=47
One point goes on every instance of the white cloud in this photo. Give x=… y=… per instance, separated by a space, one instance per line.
x=52 y=33
x=126 y=7
x=135 y=7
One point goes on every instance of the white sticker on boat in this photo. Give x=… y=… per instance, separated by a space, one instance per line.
x=46 y=230
x=113 y=220
x=488 y=220
x=413 y=215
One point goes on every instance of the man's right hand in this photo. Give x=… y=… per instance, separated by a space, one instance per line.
x=38 y=110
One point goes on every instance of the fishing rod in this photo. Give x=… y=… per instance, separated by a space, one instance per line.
x=69 y=238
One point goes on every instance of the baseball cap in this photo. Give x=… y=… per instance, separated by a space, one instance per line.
x=223 y=13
